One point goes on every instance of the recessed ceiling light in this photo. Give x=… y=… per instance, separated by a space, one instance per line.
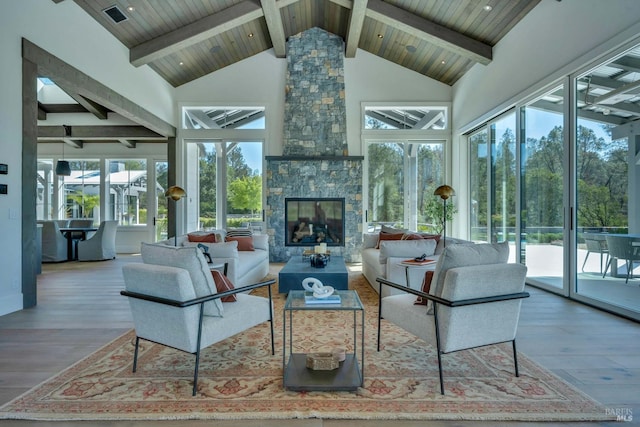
x=443 y=62
x=380 y=36
x=488 y=8
x=410 y=48
x=131 y=8
x=250 y=35
x=181 y=63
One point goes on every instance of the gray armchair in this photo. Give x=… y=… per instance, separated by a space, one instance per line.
x=174 y=302
x=54 y=244
x=102 y=245
x=474 y=301
x=596 y=243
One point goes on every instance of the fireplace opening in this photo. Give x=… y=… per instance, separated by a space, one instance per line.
x=310 y=221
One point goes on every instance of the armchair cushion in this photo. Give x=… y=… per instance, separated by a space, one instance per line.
x=192 y=260
x=406 y=248
x=467 y=255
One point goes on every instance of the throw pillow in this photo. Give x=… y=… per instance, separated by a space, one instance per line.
x=239 y=232
x=420 y=236
x=245 y=243
x=389 y=236
x=190 y=259
x=204 y=238
x=426 y=286
x=223 y=284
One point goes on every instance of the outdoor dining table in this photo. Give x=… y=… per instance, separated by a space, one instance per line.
x=68 y=232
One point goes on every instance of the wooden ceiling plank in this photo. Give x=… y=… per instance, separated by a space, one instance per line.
x=430 y=31
x=354 y=27
x=196 y=32
x=274 y=24
x=65 y=75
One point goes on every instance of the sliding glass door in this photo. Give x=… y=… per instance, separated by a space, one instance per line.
x=542 y=161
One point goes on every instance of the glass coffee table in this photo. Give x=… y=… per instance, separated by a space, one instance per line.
x=350 y=373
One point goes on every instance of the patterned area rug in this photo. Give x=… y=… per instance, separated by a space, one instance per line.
x=240 y=379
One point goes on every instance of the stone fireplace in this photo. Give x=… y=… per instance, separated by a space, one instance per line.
x=315 y=161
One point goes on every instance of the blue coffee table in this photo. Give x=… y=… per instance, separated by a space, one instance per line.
x=296 y=270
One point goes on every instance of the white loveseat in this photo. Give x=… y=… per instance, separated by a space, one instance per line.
x=244 y=267
x=385 y=261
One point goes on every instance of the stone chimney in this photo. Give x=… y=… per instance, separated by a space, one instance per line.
x=315 y=161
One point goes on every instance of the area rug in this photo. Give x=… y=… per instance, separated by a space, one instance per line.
x=240 y=379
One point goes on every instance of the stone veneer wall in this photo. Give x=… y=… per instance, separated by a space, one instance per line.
x=315 y=161
x=314 y=110
x=314 y=178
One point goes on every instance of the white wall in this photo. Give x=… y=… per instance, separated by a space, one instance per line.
x=68 y=32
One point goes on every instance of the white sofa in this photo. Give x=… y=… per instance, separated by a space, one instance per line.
x=244 y=267
x=386 y=261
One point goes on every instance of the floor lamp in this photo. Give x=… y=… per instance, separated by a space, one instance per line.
x=176 y=193
x=444 y=191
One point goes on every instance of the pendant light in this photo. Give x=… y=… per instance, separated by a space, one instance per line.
x=63 y=167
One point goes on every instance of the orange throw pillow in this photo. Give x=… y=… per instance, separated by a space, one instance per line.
x=245 y=243
x=389 y=236
x=223 y=284
x=426 y=285
x=202 y=238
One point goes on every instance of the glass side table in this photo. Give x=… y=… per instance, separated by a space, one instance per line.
x=349 y=375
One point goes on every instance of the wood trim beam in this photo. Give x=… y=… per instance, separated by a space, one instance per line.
x=61 y=108
x=96 y=133
x=64 y=74
x=354 y=28
x=274 y=24
x=195 y=32
x=430 y=31
x=75 y=143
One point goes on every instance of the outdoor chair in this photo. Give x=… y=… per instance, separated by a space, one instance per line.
x=596 y=243
x=473 y=300
x=174 y=302
x=626 y=248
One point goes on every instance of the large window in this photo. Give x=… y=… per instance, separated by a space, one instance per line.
x=565 y=182
x=405 y=163
x=82 y=190
x=223 y=166
x=127 y=183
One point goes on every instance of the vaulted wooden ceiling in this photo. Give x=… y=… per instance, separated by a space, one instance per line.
x=186 y=39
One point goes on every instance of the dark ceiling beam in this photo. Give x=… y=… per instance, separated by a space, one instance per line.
x=274 y=25
x=583 y=113
x=430 y=31
x=354 y=28
x=127 y=143
x=75 y=143
x=61 y=108
x=94 y=133
x=65 y=75
x=627 y=63
x=198 y=31
x=42 y=113
x=94 y=108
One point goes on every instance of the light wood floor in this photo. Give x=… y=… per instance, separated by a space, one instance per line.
x=80 y=309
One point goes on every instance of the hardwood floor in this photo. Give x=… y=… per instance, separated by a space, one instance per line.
x=79 y=310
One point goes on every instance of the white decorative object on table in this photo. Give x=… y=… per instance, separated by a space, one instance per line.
x=311 y=284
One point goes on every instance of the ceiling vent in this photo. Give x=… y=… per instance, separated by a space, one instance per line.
x=116 y=15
